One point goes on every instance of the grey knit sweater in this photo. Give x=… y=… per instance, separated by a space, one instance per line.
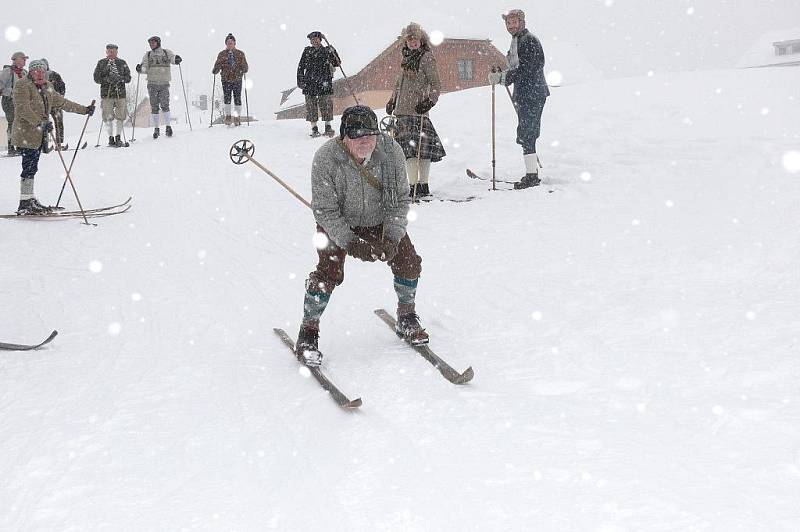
x=343 y=198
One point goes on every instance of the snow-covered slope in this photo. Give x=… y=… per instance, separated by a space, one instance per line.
x=634 y=333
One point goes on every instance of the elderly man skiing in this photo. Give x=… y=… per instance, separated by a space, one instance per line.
x=360 y=202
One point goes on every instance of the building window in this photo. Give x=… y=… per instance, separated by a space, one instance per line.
x=465 y=69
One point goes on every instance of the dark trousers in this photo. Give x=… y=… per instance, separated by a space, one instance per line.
x=30 y=162
x=529 y=114
x=330 y=268
x=232 y=87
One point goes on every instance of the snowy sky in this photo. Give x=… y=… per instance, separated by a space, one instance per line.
x=620 y=37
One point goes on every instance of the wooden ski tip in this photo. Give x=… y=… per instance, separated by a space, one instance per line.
x=465 y=377
x=355 y=403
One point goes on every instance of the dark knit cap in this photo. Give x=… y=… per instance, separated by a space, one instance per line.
x=231 y=37
x=358 y=121
x=313 y=34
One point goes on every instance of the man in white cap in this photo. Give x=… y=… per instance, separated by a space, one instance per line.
x=34 y=101
x=10 y=75
x=526 y=73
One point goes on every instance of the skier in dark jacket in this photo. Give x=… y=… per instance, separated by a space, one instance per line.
x=526 y=73
x=315 y=79
x=112 y=73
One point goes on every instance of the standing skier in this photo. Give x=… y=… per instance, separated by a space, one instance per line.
x=112 y=73
x=526 y=73
x=315 y=79
x=359 y=199
x=60 y=87
x=10 y=75
x=34 y=101
x=416 y=92
x=156 y=65
x=233 y=65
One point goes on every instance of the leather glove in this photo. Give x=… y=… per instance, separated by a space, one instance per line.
x=390 y=107
x=90 y=109
x=495 y=77
x=139 y=68
x=389 y=250
x=214 y=71
x=363 y=250
x=301 y=85
x=46 y=126
x=423 y=106
x=178 y=60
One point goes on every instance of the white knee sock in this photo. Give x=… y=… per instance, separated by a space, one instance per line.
x=154 y=119
x=238 y=110
x=531 y=163
x=110 y=127
x=412 y=168
x=119 y=127
x=424 y=170
x=227 y=109
x=167 y=118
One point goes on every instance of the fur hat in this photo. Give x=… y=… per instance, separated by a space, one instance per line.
x=415 y=30
x=518 y=13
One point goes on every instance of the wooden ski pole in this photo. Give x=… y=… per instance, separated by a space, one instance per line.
x=74 y=155
x=242 y=151
x=135 y=107
x=494 y=160
x=69 y=178
x=346 y=80
x=188 y=118
x=246 y=102
x=213 y=88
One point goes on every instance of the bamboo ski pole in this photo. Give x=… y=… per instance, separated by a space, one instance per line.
x=69 y=178
x=213 y=89
x=135 y=107
x=74 y=155
x=188 y=118
x=346 y=79
x=242 y=151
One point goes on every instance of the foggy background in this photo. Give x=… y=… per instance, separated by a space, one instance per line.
x=617 y=37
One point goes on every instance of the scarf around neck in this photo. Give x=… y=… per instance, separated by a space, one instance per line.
x=412 y=58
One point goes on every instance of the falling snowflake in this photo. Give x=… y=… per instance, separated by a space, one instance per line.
x=791 y=161
x=320 y=240
x=437 y=37
x=13 y=34
x=95 y=266
x=554 y=78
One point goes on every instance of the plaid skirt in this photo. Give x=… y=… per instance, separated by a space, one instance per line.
x=408 y=138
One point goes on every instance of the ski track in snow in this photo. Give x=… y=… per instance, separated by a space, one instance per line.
x=634 y=334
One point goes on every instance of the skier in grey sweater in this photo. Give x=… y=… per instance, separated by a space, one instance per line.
x=360 y=202
x=156 y=65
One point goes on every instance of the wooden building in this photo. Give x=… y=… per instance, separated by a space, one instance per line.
x=462 y=63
